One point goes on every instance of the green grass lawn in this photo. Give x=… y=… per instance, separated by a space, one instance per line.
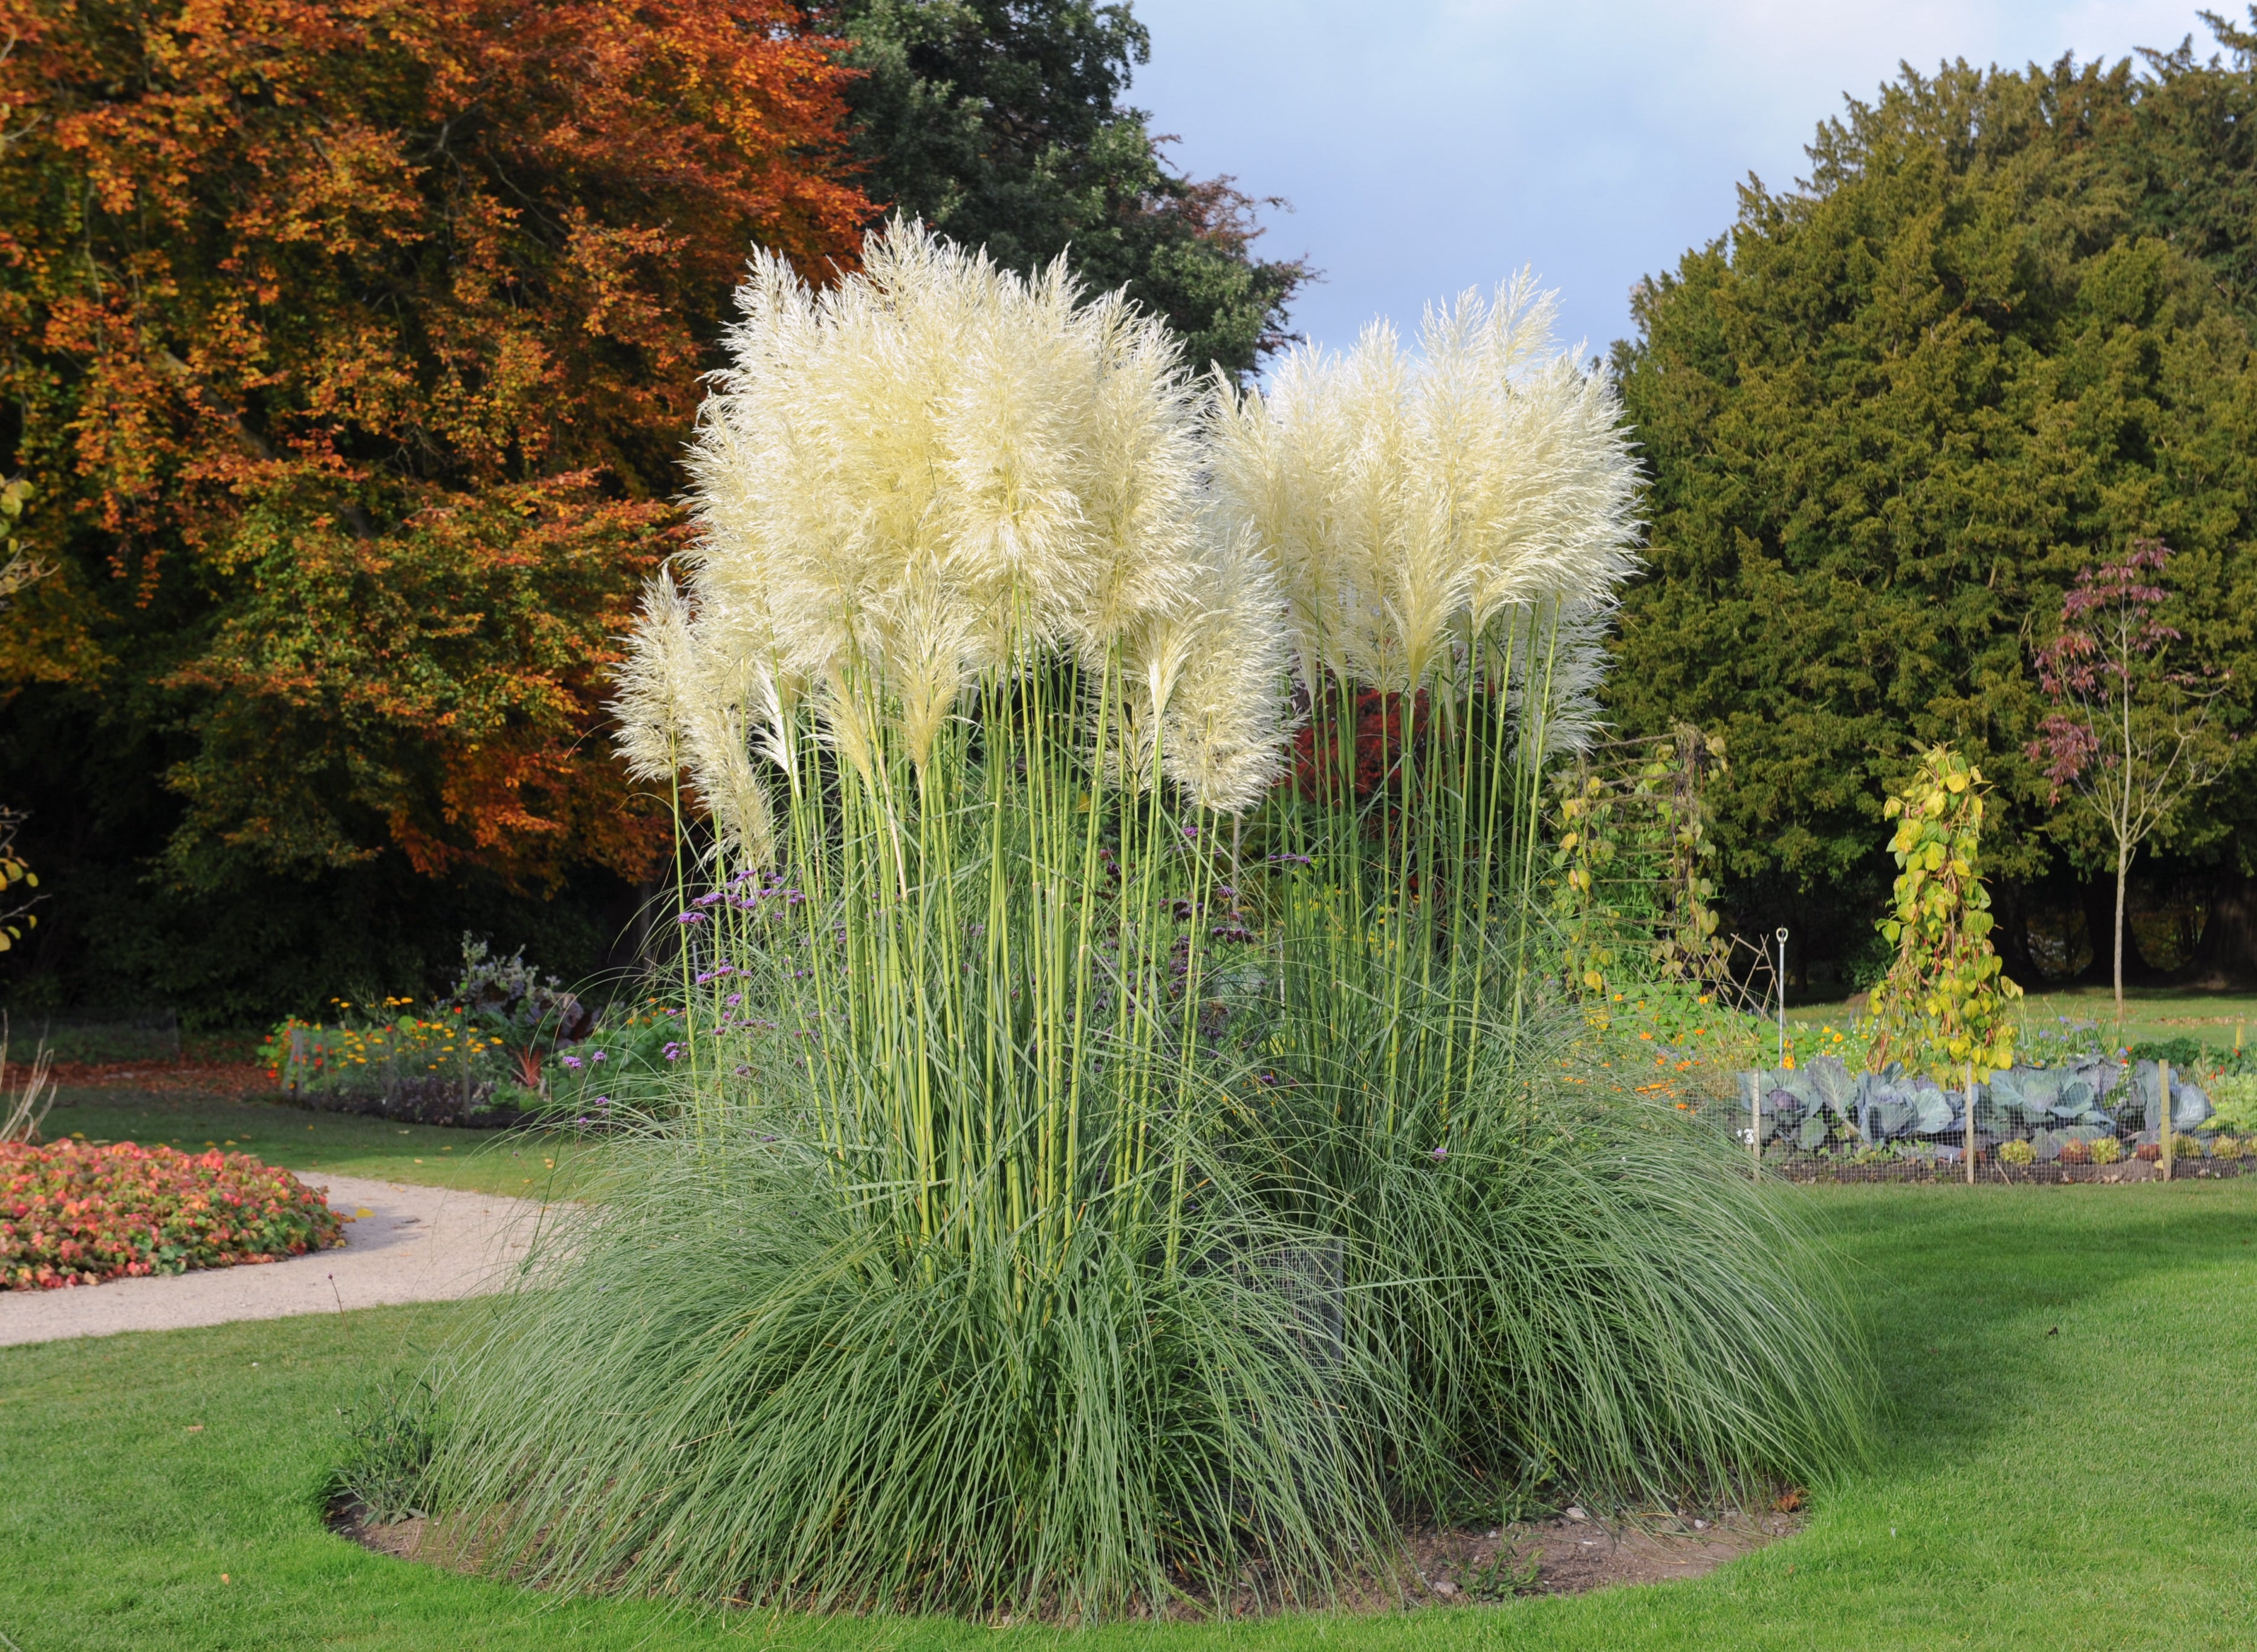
x=2217 y=1018
x=484 y=1160
x=2068 y=1459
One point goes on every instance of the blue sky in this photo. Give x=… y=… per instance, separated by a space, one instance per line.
x=1430 y=145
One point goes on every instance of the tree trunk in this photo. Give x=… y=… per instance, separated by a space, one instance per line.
x=2123 y=868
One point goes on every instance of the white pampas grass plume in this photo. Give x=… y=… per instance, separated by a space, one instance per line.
x=934 y=469
x=1406 y=501
x=935 y=418
x=1558 y=668
x=686 y=702
x=656 y=680
x=1223 y=735
x=718 y=723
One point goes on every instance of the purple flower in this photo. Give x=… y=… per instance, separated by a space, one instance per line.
x=744 y=1072
x=736 y=998
x=707 y=900
x=673 y=1051
x=690 y=917
x=599 y=1056
x=572 y=1062
x=1440 y=1153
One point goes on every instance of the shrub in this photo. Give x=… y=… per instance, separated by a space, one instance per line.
x=72 y=1214
x=2076 y=1151
x=2017 y=1152
x=2228 y=1148
x=2183 y=1053
x=2107 y=1150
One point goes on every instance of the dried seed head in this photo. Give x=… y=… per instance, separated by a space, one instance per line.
x=1406 y=504
x=933 y=470
x=654 y=682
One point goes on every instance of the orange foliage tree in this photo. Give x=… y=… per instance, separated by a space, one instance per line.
x=349 y=346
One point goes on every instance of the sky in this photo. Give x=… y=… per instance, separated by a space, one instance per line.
x=1428 y=145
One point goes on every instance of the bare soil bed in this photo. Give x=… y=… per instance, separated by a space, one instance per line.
x=2125 y=1171
x=1444 y=1567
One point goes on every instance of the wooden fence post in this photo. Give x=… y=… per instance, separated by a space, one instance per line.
x=1754 y=1123
x=1971 y=1124
x=2163 y=1084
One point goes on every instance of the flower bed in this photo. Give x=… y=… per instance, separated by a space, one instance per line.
x=72 y=1214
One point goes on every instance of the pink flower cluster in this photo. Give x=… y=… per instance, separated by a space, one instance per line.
x=72 y=1214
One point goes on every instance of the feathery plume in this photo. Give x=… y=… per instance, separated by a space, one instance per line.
x=1223 y=739
x=933 y=469
x=655 y=680
x=717 y=744
x=1407 y=503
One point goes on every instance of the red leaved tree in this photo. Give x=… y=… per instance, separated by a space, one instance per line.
x=351 y=345
x=2129 y=735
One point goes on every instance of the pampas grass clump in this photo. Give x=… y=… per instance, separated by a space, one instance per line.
x=1103 y=1176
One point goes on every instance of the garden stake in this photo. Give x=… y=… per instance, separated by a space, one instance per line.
x=2164 y=1087
x=1971 y=1124
x=1782 y=997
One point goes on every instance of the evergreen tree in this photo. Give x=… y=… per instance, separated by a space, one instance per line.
x=1000 y=123
x=1887 y=417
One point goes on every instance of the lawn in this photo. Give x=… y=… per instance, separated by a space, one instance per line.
x=2068 y=1459
x=2217 y=1018
x=483 y=1160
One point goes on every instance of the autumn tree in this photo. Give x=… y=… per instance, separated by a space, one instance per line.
x=349 y=347
x=2130 y=731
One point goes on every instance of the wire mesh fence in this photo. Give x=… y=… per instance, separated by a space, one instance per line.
x=2096 y=1119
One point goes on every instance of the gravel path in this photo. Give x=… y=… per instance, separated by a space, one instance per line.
x=415 y=1244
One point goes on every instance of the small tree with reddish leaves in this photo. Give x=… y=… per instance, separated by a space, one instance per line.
x=2130 y=735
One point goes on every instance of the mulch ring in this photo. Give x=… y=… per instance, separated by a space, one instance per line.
x=1446 y=1566
x=1577 y=1553
x=234 y=1079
